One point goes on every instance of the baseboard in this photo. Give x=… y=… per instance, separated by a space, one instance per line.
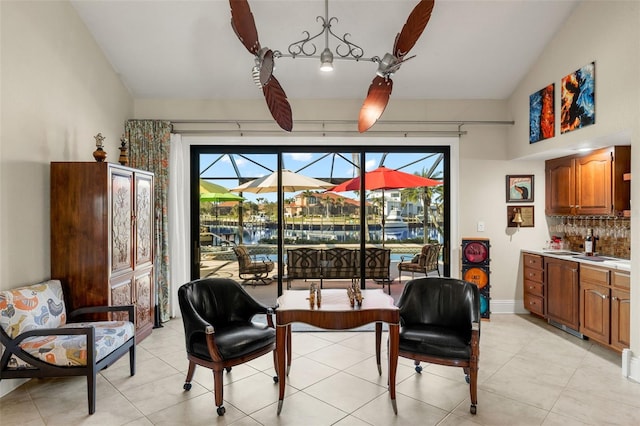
x=9 y=385
x=507 y=307
x=630 y=366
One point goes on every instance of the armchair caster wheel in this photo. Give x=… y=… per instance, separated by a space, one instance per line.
x=472 y=409
x=187 y=386
x=221 y=410
x=275 y=379
x=418 y=369
x=467 y=379
x=228 y=369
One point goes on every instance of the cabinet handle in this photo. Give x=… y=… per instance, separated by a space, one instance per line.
x=604 y=296
x=614 y=298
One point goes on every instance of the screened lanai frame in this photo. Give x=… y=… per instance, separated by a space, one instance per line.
x=249 y=153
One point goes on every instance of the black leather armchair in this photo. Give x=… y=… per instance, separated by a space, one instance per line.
x=440 y=324
x=219 y=332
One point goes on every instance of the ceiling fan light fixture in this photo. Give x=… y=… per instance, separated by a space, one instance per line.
x=326 y=60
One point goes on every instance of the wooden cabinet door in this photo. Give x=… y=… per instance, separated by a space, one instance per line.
x=593 y=183
x=144 y=301
x=121 y=294
x=559 y=186
x=562 y=292
x=594 y=312
x=620 y=319
x=143 y=219
x=121 y=205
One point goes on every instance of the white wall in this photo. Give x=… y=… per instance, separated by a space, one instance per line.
x=607 y=32
x=58 y=91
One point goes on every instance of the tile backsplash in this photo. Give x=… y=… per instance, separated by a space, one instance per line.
x=613 y=235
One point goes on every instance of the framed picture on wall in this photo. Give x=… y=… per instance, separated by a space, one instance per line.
x=519 y=188
x=520 y=216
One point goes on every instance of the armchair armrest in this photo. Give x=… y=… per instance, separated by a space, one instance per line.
x=12 y=346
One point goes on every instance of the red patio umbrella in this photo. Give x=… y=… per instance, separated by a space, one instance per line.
x=384 y=178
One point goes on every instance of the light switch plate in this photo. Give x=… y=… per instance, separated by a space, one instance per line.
x=480 y=226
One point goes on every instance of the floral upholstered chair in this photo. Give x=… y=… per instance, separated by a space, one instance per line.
x=39 y=341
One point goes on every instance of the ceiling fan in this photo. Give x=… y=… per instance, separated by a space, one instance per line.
x=379 y=92
x=244 y=26
x=381 y=86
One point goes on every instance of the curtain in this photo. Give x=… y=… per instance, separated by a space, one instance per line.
x=178 y=218
x=149 y=142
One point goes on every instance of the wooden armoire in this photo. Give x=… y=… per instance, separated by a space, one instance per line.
x=102 y=249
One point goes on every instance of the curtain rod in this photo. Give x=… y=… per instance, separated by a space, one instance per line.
x=379 y=122
x=404 y=133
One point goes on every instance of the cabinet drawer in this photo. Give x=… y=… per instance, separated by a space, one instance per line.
x=621 y=279
x=534 y=275
x=532 y=261
x=534 y=304
x=594 y=275
x=533 y=288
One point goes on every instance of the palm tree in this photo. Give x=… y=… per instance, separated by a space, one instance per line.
x=427 y=196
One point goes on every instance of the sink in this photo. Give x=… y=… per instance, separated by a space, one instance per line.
x=560 y=252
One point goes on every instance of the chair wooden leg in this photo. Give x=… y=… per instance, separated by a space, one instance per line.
x=190 y=371
x=132 y=360
x=217 y=389
x=275 y=365
x=473 y=387
x=91 y=391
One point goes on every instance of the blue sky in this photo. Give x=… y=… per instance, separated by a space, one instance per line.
x=317 y=165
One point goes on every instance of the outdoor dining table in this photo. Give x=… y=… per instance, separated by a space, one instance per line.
x=336 y=313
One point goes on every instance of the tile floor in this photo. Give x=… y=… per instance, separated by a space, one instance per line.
x=530 y=374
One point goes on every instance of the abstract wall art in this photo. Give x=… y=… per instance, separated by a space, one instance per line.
x=578 y=99
x=542 y=114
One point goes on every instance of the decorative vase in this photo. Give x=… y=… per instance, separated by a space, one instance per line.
x=124 y=153
x=99 y=154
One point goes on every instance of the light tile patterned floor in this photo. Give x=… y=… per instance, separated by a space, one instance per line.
x=530 y=374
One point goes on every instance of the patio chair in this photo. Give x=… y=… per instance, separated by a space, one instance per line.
x=252 y=270
x=423 y=263
x=376 y=265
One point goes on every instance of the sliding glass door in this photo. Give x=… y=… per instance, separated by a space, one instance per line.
x=273 y=199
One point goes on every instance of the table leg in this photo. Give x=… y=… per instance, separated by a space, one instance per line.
x=378 y=343
x=281 y=345
x=288 y=348
x=394 y=342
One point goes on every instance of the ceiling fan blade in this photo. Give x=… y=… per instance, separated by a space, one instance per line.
x=278 y=104
x=266 y=68
x=244 y=25
x=376 y=102
x=412 y=29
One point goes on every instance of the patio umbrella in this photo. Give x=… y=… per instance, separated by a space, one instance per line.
x=384 y=178
x=216 y=194
x=291 y=182
x=206 y=186
x=217 y=197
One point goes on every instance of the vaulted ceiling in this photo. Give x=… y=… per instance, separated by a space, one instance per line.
x=186 y=49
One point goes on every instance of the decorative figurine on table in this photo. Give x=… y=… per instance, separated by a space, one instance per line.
x=355 y=295
x=318 y=297
x=312 y=295
x=352 y=296
x=99 y=154
x=124 y=154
